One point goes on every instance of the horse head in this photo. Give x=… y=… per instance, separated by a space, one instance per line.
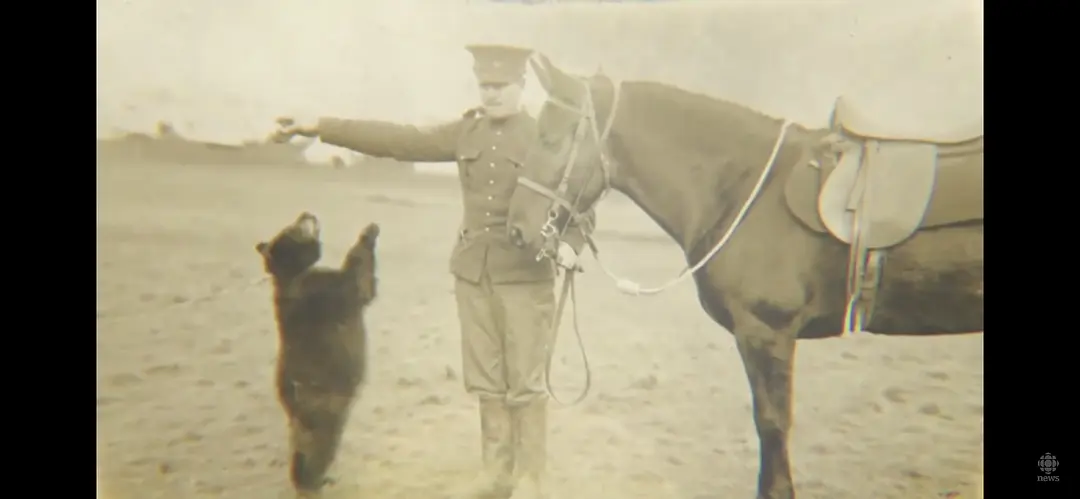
x=568 y=168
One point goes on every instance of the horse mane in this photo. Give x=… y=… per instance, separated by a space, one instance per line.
x=705 y=121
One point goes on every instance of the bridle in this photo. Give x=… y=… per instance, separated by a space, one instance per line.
x=551 y=233
x=586 y=123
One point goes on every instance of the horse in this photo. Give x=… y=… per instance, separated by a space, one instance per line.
x=700 y=167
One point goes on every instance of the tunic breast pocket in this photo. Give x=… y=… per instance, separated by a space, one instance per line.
x=515 y=152
x=468 y=159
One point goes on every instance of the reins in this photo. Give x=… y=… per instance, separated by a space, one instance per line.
x=587 y=112
x=632 y=288
x=568 y=291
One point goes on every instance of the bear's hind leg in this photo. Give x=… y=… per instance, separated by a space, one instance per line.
x=314 y=442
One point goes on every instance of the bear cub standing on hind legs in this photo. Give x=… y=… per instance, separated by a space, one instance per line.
x=321 y=341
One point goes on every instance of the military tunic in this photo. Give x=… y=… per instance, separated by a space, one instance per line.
x=505 y=297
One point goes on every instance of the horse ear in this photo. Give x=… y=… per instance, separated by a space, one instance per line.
x=539 y=65
x=560 y=82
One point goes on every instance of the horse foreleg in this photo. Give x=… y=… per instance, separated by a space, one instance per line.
x=768 y=358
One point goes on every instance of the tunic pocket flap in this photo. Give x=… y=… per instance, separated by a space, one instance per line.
x=516 y=160
x=467 y=155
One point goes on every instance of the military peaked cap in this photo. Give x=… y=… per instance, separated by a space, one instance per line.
x=499 y=63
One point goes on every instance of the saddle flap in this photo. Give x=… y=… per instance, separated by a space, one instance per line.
x=890 y=185
x=900 y=182
x=801 y=194
x=835 y=194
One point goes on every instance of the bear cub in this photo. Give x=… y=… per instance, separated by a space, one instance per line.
x=321 y=360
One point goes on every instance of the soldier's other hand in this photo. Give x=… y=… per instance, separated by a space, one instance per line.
x=566 y=257
x=289 y=127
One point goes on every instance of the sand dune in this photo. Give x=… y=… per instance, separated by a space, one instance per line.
x=185 y=348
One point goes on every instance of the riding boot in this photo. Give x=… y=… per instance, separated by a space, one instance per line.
x=530 y=450
x=495 y=480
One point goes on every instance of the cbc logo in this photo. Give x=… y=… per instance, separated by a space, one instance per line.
x=1048 y=463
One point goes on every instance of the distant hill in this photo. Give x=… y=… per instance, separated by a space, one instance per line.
x=170 y=146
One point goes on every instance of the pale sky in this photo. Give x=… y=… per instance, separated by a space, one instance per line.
x=222 y=71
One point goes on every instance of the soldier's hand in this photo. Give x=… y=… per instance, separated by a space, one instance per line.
x=289 y=127
x=566 y=257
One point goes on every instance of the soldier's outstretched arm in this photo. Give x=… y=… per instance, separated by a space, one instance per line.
x=390 y=140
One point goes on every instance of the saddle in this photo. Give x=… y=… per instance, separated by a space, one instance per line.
x=890 y=181
x=904 y=121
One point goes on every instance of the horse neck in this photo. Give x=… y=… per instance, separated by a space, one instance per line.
x=688 y=161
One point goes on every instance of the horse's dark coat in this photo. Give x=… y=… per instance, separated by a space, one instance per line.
x=690 y=162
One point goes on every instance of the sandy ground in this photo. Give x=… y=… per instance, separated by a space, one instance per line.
x=185 y=348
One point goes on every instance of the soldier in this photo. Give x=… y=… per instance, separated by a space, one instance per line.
x=505 y=297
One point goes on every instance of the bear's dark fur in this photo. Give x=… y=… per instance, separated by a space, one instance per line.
x=321 y=341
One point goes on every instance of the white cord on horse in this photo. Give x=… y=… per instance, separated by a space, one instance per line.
x=632 y=288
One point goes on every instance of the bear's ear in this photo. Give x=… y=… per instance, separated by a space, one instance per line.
x=262 y=248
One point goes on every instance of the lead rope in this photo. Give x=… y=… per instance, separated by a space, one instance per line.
x=632 y=288
x=568 y=290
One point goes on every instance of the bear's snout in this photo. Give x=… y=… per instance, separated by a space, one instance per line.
x=307 y=225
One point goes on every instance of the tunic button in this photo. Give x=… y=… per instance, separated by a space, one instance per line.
x=492 y=148
x=491 y=165
x=498 y=132
x=490 y=198
x=491 y=182
x=487 y=229
x=488 y=213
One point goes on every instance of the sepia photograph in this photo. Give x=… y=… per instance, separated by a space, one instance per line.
x=539 y=249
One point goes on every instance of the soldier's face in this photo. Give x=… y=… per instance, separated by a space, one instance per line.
x=501 y=99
